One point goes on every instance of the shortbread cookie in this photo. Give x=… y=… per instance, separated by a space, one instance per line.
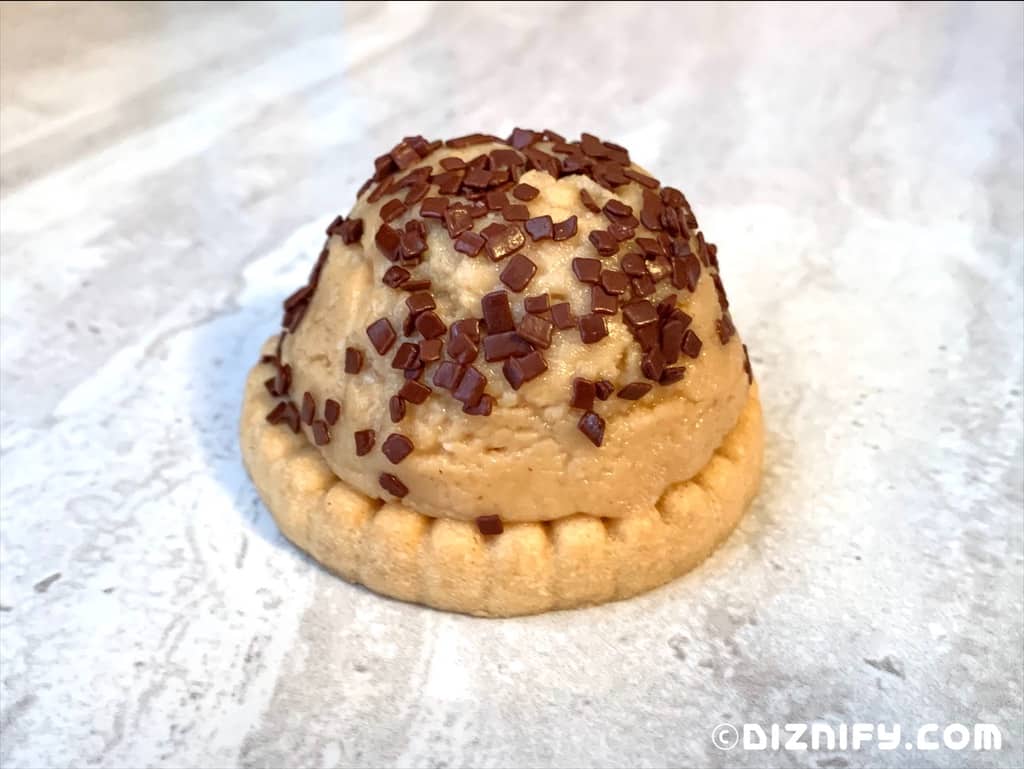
x=511 y=383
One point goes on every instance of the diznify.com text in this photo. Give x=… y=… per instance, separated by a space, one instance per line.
x=858 y=736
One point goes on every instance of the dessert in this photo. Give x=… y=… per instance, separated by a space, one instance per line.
x=511 y=384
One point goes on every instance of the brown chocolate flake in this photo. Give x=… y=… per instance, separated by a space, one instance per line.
x=415 y=392
x=430 y=325
x=503 y=242
x=639 y=313
x=583 y=392
x=747 y=367
x=691 y=344
x=421 y=301
x=404 y=155
x=395 y=276
x=587 y=270
x=299 y=296
x=561 y=316
x=396 y=408
x=353 y=360
x=647 y=337
x=415 y=372
x=614 y=282
x=463 y=349
x=416 y=193
x=616 y=209
x=471 y=387
x=621 y=231
x=588 y=202
x=433 y=208
x=364 y=442
x=495 y=200
x=640 y=178
x=634 y=391
x=518 y=272
x=477 y=178
x=505 y=345
x=396 y=447
x=448 y=375
x=452 y=164
x=482 y=408
x=408 y=324
x=332 y=410
x=602 y=302
x=565 y=229
x=543 y=162
x=538 y=305
x=535 y=330
x=522 y=138
x=469 y=243
x=430 y=350
x=351 y=230
x=468 y=326
x=393 y=209
x=672 y=375
x=449 y=182
x=277 y=414
x=643 y=286
x=633 y=264
x=389 y=242
x=593 y=328
x=592 y=426
x=382 y=335
x=291 y=416
x=685 y=272
x=604 y=242
x=282 y=380
x=653 y=364
x=392 y=485
x=603 y=389
x=497 y=312
x=516 y=213
x=489 y=525
x=518 y=371
x=414 y=242
x=506 y=159
x=457 y=219
x=308 y=412
x=725 y=328
x=671 y=340
x=525 y=192
x=659 y=268
x=540 y=227
x=406 y=357
x=419 y=284
x=321 y=433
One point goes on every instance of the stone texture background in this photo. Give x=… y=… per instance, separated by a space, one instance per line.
x=166 y=172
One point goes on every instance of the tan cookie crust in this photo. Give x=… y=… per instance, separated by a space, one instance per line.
x=532 y=567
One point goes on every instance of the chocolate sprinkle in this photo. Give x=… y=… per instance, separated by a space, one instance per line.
x=603 y=389
x=536 y=330
x=433 y=208
x=415 y=392
x=587 y=270
x=430 y=325
x=504 y=242
x=392 y=485
x=421 y=301
x=525 y=192
x=583 y=392
x=518 y=273
x=489 y=525
x=469 y=243
x=364 y=442
x=592 y=426
x=516 y=213
x=321 y=435
x=430 y=350
x=407 y=356
x=602 y=302
x=382 y=335
x=561 y=316
x=332 y=410
x=588 y=202
x=604 y=242
x=471 y=387
x=463 y=349
x=448 y=374
x=507 y=344
x=540 y=227
x=353 y=360
x=565 y=229
x=497 y=312
x=691 y=344
x=482 y=408
x=537 y=305
x=592 y=328
x=518 y=371
x=614 y=282
x=396 y=447
x=388 y=241
x=672 y=375
x=308 y=411
x=391 y=210
x=634 y=391
x=395 y=276
x=457 y=219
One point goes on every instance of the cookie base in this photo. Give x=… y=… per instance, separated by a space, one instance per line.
x=531 y=567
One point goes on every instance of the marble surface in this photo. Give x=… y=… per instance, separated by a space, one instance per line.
x=166 y=172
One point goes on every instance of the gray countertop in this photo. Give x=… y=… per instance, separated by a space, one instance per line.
x=166 y=174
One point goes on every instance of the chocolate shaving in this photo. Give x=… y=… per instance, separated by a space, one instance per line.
x=489 y=525
x=392 y=485
x=364 y=442
x=592 y=426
